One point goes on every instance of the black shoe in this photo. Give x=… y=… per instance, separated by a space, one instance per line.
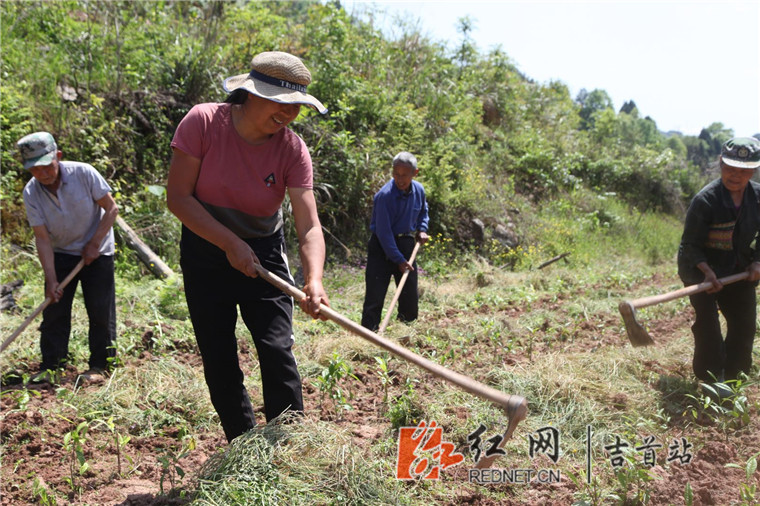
x=93 y=375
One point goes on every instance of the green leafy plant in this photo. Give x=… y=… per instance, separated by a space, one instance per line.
x=170 y=461
x=748 y=489
x=42 y=494
x=73 y=442
x=385 y=377
x=688 y=495
x=633 y=477
x=120 y=441
x=331 y=382
x=731 y=413
x=589 y=493
x=21 y=396
x=404 y=410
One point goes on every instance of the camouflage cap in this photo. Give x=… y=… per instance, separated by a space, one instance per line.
x=38 y=148
x=741 y=152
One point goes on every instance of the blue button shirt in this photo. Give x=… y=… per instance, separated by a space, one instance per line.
x=396 y=212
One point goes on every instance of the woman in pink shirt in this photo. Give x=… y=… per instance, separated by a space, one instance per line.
x=232 y=164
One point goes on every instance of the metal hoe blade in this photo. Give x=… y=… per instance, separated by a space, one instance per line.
x=637 y=334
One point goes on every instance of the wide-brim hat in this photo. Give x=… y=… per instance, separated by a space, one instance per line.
x=741 y=152
x=277 y=76
x=37 y=149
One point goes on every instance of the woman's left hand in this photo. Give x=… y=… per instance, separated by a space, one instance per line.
x=315 y=295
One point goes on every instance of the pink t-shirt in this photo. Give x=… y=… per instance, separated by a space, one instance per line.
x=236 y=175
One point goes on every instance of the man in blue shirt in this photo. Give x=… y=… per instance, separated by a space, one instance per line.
x=399 y=219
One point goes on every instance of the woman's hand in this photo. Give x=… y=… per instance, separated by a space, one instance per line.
x=315 y=295
x=241 y=257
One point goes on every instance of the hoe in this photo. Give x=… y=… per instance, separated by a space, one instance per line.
x=398 y=291
x=41 y=307
x=515 y=406
x=637 y=334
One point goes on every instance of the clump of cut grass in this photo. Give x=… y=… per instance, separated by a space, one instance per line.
x=299 y=462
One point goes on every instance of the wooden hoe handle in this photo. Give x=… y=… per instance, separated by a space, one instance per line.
x=42 y=306
x=508 y=402
x=398 y=291
x=683 y=292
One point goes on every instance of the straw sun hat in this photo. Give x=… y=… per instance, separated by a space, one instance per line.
x=277 y=76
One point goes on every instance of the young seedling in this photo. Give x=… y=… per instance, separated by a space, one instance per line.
x=748 y=489
x=120 y=441
x=170 y=461
x=688 y=495
x=73 y=441
x=385 y=377
x=331 y=378
x=636 y=478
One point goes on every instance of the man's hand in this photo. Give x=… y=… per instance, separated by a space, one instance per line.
x=90 y=253
x=315 y=295
x=422 y=237
x=53 y=290
x=710 y=277
x=405 y=266
x=754 y=271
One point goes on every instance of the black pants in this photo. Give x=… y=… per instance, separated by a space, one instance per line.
x=99 y=301
x=713 y=354
x=377 y=278
x=214 y=291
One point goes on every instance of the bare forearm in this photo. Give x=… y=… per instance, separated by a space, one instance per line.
x=106 y=222
x=312 y=252
x=47 y=258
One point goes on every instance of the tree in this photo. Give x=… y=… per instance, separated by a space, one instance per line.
x=630 y=108
x=592 y=103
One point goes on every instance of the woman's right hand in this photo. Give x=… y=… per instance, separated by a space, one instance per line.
x=241 y=257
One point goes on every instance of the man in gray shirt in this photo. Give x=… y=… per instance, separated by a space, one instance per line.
x=71 y=211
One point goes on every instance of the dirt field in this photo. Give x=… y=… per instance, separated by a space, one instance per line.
x=32 y=449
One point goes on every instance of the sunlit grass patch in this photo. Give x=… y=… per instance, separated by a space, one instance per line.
x=303 y=462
